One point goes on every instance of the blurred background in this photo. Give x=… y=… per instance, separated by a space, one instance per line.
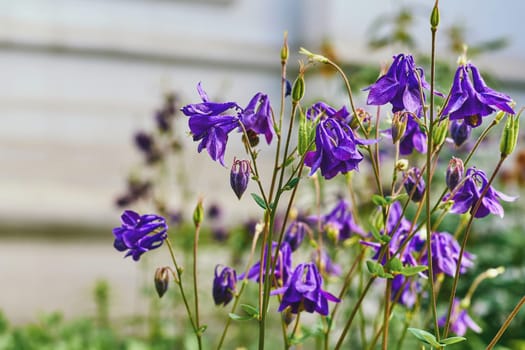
x=79 y=78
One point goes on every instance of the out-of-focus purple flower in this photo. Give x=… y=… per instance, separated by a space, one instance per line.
x=413 y=139
x=400 y=86
x=339 y=222
x=336 y=149
x=468 y=194
x=137 y=189
x=220 y=234
x=257 y=116
x=283 y=266
x=459 y=131
x=294 y=234
x=175 y=217
x=414 y=184
x=288 y=88
x=445 y=255
x=208 y=124
x=304 y=291
x=326 y=265
x=139 y=233
x=224 y=285
x=239 y=176
x=323 y=111
x=214 y=211
x=454 y=173
x=471 y=100
x=144 y=141
x=460 y=321
x=405 y=290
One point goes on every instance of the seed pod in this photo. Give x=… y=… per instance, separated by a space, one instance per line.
x=298 y=89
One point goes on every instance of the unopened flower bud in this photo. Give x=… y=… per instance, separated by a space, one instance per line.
x=459 y=131
x=332 y=232
x=284 y=49
x=399 y=126
x=198 y=213
x=361 y=116
x=162 y=278
x=509 y=137
x=402 y=165
x=239 y=176
x=414 y=184
x=298 y=89
x=434 y=17
x=454 y=173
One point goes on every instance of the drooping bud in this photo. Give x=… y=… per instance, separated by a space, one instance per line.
x=439 y=133
x=414 y=184
x=434 y=17
x=239 y=176
x=459 y=131
x=162 y=278
x=454 y=173
x=399 y=126
x=509 y=137
x=224 y=285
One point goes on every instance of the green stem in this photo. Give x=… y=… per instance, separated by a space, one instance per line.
x=506 y=324
x=464 y=243
x=195 y=286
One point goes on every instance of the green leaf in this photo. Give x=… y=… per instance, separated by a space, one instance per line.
x=452 y=340
x=373 y=267
x=425 y=337
x=395 y=265
x=412 y=270
x=259 y=201
x=375 y=233
x=291 y=184
x=379 y=200
x=385 y=238
x=251 y=310
x=236 y=317
x=306 y=134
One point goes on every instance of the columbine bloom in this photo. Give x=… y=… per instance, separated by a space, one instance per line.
x=239 y=176
x=339 y=222
x=460 y=321
x=336 y=149
x=459 y=131
x=304 y=292
x=283 y=267
x=400 y=86
x=322 y=110
x=445 y=255
x=294 y=234
x=208 y=124
x=471 y=100
x=405 y=290
x=139 y=233
x=414 y=184
x=413 y=138
x=224 y=285
x=468 y=194
x=257 y=116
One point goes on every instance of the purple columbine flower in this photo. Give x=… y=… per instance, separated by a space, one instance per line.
x=459 y=131
x=336 y=149
x=339 y=222
x=283 y=267
x=414 y=184
x=445 y=255
x=323 y=111
x=460 y=321
x=208 y=124
x=304 y=291
x=239 y=176
x=139 y=233
x=294 y=234
x=405 y=290
x=471 y=100
x=454 y=173
x=257 y=116
x=400 y=86
x=413 y=138
x=468 y=194
x=224 y=285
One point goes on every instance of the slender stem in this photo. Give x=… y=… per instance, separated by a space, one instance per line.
x=506 y=324
x=354 y=312
x=295 y=327
x=464 y=243
x=388 y=292
x=181 y=288
x=195 y=286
